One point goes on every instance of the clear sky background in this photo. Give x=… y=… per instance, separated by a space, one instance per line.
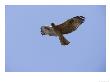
x=28 y=51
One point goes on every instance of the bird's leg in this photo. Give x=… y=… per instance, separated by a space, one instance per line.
x=63 y=40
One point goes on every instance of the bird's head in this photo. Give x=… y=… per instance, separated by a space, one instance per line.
x=53 y=24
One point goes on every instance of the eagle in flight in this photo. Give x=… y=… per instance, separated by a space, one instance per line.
x=59 y=30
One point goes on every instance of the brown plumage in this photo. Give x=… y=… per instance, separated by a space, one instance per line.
x=64 y=28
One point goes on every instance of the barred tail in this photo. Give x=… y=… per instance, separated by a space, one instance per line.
x=63 y=40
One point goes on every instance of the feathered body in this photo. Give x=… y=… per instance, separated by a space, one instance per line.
x=64 y=28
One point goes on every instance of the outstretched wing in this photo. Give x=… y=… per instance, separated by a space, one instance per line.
x=70 y=25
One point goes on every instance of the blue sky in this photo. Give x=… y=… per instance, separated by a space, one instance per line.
x=28 y=51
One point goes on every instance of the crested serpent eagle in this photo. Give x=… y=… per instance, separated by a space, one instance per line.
x=59 y=30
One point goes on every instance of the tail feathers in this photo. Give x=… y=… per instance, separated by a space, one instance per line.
x=63 y=40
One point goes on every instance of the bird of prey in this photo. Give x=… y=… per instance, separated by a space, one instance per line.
x=59 y=30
